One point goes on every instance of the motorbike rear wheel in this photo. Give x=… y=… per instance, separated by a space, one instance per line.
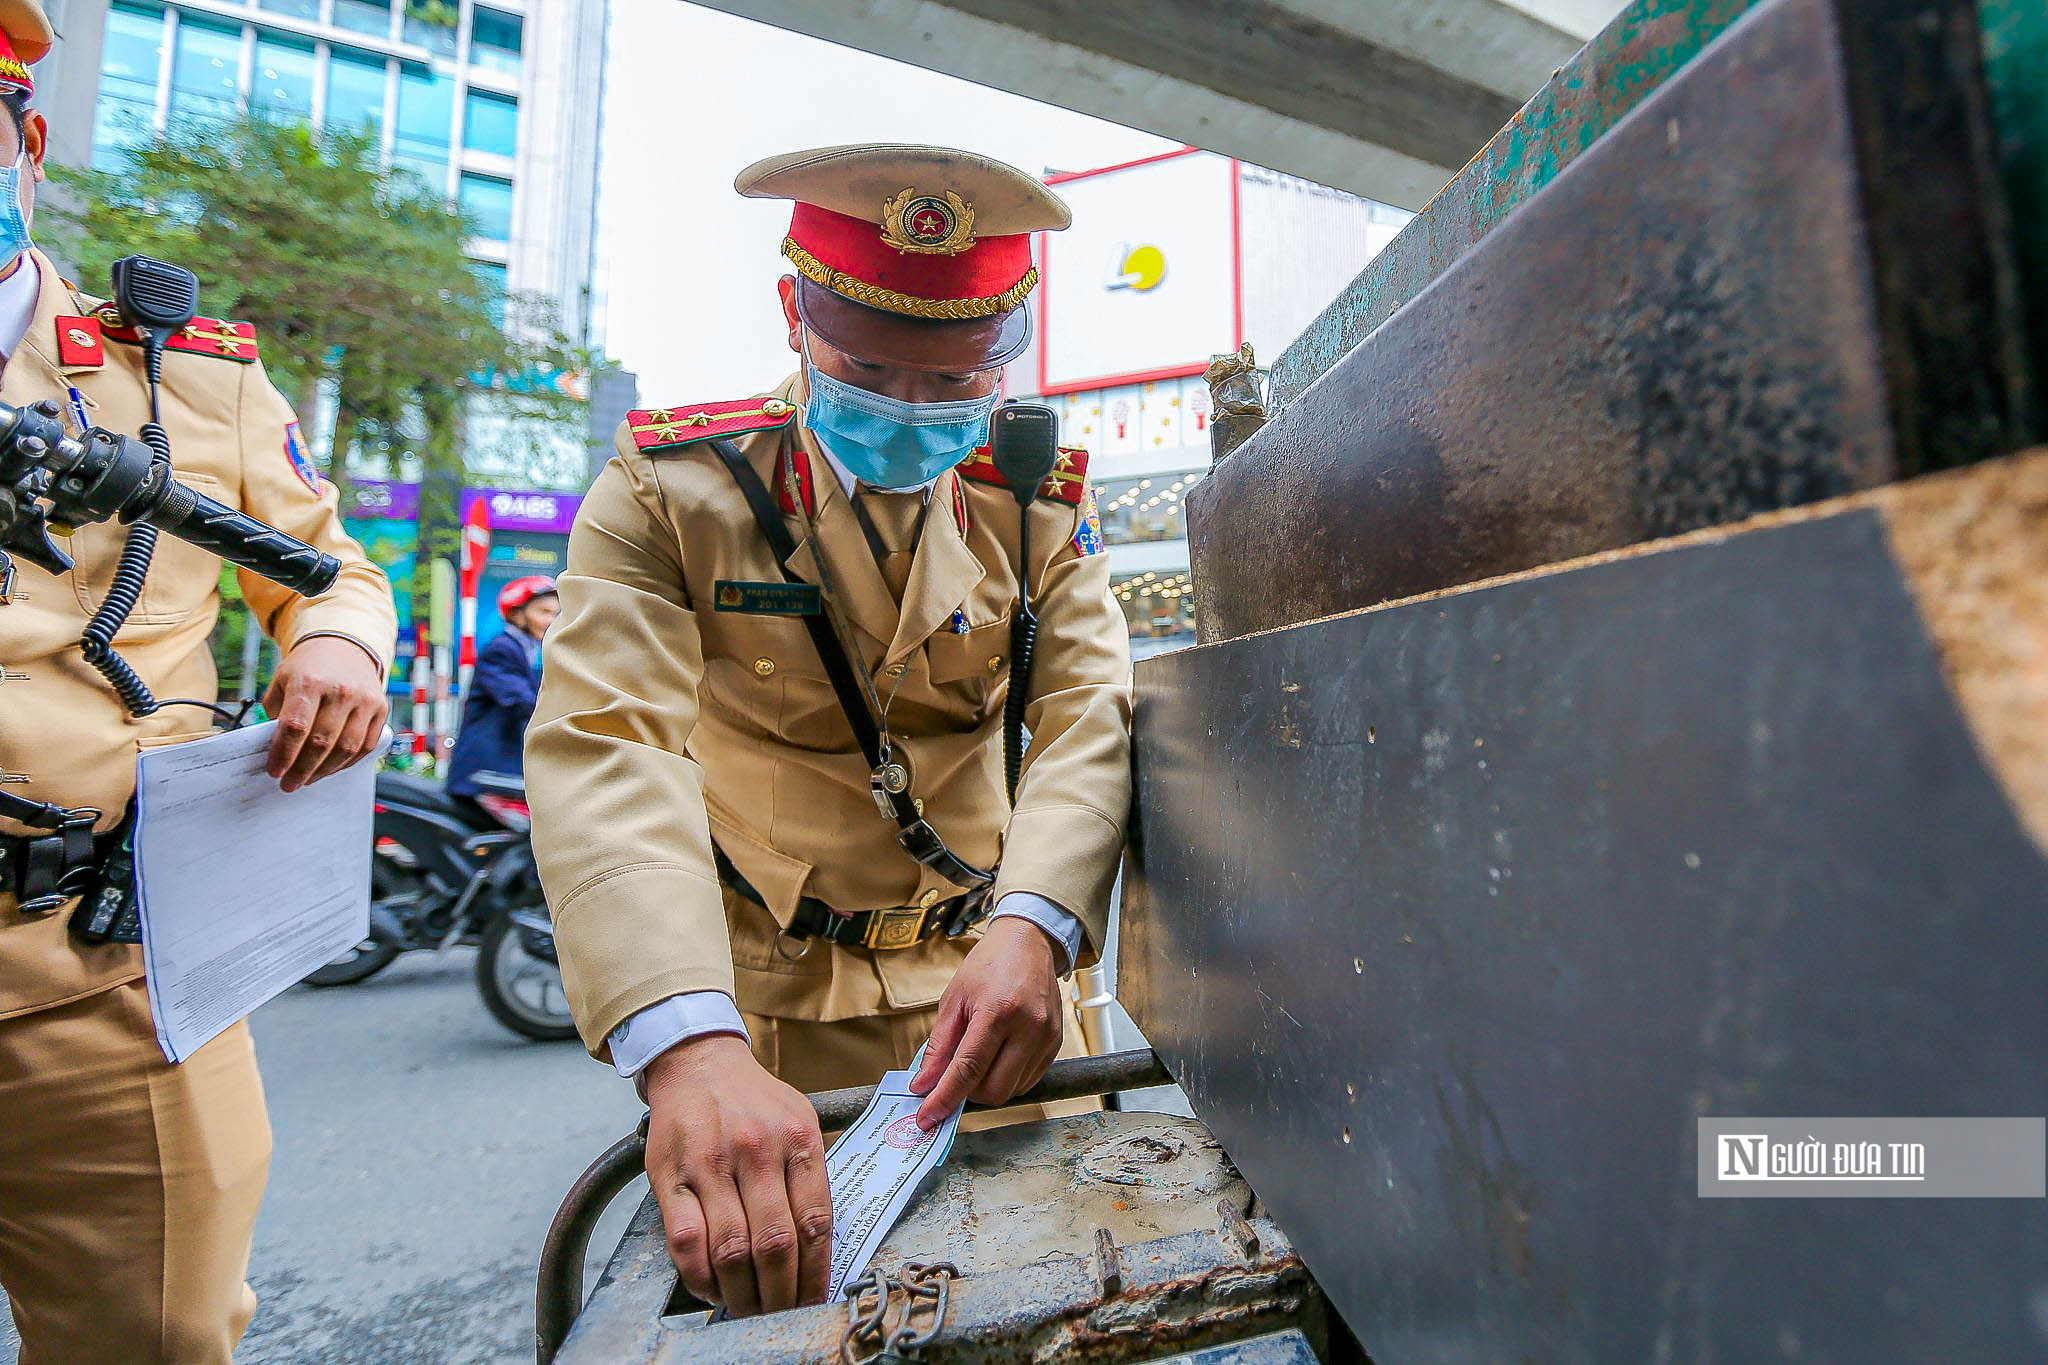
x=521 y=989
x=376 y=952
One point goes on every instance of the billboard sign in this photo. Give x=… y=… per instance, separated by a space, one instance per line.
x=1145 y=285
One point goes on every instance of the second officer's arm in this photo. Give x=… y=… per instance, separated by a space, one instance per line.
x=734 y=1156
x=328 y=694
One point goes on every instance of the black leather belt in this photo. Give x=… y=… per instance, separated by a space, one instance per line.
x=42 y=871
x=882 y=930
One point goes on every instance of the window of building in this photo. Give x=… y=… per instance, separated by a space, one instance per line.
x=206 y=71
x=490 y=123
x=364 y=16
x=129 y=60
x=283 y=84
x=355 y=93
x=1157 y=606
x=494 y=40
x=488 y=202
x=426 y=115
x=1136 y=510
x=297 y=9
x=431 y=24
x=494 y=276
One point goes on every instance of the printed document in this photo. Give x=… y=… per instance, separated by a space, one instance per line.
x=875 y=1169
x=244 y=889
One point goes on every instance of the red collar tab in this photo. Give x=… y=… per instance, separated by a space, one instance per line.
x=665 y=428
x=219 y=337
x=798 y=461
x=1067 y=482
x=79 y=343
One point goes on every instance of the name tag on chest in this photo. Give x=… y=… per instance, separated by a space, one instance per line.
x=767 y=599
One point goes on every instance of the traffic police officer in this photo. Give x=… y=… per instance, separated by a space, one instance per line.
x=706 y=822
x=128 y=1187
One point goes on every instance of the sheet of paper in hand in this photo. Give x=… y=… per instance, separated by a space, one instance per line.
x=875 y=1169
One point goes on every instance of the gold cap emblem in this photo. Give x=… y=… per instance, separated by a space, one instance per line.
x=930 y=224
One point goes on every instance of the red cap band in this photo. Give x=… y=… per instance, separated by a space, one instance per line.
x=14 y=72
x=850 y=257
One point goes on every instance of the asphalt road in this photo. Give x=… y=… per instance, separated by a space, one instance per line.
x=421 y=1151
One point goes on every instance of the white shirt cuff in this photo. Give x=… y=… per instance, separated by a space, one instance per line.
x=1060 y=925
x=659 y=1027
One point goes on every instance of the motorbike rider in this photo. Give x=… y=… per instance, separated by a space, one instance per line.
x=503 y=689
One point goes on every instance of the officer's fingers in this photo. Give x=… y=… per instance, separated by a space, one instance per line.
x=1007 y=1074
x=762 y=1165
x=295 y=715
x=970 y=1066
x=347 y=743
x=938 y=1050
x=330 y=719
x=731 y=1247
x=689 y=1244
x=810 y=1199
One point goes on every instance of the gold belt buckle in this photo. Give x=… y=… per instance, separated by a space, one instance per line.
x=890 y=929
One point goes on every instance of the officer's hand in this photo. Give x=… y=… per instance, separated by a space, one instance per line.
x=999 y=1023
x=330 y=708
x=738 y=1166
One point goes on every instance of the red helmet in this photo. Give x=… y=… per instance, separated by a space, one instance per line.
x=520 y=591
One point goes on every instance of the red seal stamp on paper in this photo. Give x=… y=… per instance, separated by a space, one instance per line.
x=904 y=1134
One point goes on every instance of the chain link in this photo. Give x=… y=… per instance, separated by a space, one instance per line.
x=867 y=1339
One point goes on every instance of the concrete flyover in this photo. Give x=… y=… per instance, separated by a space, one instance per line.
x=1385 y=99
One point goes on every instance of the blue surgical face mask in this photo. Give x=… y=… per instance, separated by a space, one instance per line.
x=14 y=238
x=888 y=443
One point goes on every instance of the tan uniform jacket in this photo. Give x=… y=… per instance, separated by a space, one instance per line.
x=664 y=722
x=64 y=736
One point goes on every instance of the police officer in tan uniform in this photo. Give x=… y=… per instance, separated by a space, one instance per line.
x=128 y=1187
x=738 y=909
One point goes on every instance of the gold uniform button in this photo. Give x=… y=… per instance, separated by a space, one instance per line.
x=928 y=899
x=764 y=667
x=773 y=407
x=894 y=670
x=995 y=663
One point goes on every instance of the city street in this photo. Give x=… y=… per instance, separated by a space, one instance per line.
x=421 y=1150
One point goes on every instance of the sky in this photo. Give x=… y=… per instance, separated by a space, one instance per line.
x=693 y=96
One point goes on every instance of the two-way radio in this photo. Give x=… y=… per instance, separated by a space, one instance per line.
x=1024 y=449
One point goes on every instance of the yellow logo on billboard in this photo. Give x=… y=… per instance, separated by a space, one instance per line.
x=1136 y=267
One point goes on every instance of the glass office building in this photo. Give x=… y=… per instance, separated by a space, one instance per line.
x=494 y=105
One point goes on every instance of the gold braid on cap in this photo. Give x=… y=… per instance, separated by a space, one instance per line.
x=909 y=305
x=15 y=71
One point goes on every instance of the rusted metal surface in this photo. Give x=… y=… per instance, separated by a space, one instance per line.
x=1709 y=314
x=1632 y=56
x=558 y=1290
x=1452 y=918
x=2016 y=69
x=1024 y=1213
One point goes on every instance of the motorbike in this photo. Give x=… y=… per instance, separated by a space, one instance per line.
x=444 y=872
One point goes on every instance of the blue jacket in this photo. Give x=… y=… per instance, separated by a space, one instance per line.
x=494 y=715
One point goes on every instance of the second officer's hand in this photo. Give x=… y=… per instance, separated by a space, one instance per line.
x=328 y=698
x=737 y=1164
x=999 y=1023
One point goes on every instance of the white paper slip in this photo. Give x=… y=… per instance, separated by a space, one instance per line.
x=243 y=888
x=875 y=1168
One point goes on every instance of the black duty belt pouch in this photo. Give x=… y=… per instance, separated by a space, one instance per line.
x=914 y=833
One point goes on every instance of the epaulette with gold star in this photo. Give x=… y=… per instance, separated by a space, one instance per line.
x=662 y=428
x=1067 y=482
x=202 y=336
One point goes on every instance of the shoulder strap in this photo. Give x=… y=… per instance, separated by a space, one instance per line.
x=916 y=835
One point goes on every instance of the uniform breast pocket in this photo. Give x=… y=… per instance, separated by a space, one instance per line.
x=181 y=579
x=973 y=661
x=747 y=658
